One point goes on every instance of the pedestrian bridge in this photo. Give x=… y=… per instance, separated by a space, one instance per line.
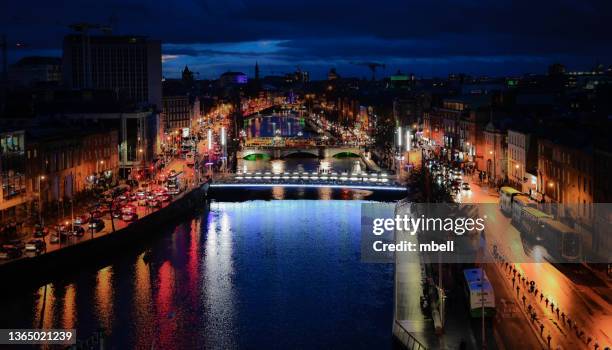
x=363 y=180
x=313 y=151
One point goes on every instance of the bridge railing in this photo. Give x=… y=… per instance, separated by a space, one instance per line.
x=334 y=178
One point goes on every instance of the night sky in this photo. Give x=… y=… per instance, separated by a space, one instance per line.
x=428 y=38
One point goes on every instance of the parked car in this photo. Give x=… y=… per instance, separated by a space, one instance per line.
x=62 y=227
x=78 y=231
x=96 y=224
x=10 y=253
x=142 y=202
x=128 y=209
x=466 y=186
x=174 y=191
x=36 y=245
x=54 y=239
x=96 y=214
x=165 y=198
x=81 y=219
x=13 y=244
x=153 y=203
x=129 y=217
x=40 y=230
x=116 y=214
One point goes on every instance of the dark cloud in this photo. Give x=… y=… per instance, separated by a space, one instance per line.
x=497 y=36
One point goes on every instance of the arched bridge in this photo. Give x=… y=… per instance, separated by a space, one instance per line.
x=314 y=151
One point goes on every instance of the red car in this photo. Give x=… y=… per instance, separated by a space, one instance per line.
x=128 y=217
x=128 y=209
x=153 y=203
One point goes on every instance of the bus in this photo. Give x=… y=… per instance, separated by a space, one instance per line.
x=479 y=292
x=560 y=240
x=531 y=223
x=506 y=194
x=520 y=201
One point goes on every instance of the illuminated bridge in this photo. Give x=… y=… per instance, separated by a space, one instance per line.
x=363 y=180
x=275 y=152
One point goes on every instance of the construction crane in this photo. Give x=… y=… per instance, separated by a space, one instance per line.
x=372 y=65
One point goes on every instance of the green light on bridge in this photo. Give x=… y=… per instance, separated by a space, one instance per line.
x=346 y=155
x=257 y=156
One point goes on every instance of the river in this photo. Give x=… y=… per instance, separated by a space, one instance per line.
x=255 y=274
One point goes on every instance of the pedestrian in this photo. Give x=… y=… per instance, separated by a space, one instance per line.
x=536 y=293
x=596 y=345
x=517 y=291
x=529 y=308
x=552 y=306
x=541 y=296
x=557 y=312
x=563 y=316
x=546 y=301
x=589 y=339
x=534 y=316
x=524 y=298
x=513 y=280
x=541 y=328
x=548 y=338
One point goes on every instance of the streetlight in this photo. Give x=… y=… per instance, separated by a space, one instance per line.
x=494 y=165
x=40 y=219
x=399 y=136
x=408 y=143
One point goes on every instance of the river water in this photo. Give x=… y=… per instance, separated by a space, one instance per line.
x=255 y=274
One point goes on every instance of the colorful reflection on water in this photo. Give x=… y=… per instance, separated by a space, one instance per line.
x=257 y=274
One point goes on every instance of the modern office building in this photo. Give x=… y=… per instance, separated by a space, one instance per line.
x=128 y=65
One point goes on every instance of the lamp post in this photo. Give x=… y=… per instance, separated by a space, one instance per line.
x=224 y=146
x=40 y=219
x=494 y=164
x=517 y=174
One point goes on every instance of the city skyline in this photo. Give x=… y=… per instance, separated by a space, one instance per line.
x=433 y=39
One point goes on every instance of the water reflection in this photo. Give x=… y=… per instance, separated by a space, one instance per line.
x=104 y=296
x=69 y=315
x=142 y=309
x=257 y=274
x=217 y=283
x=44 y=311
x=287 y=125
